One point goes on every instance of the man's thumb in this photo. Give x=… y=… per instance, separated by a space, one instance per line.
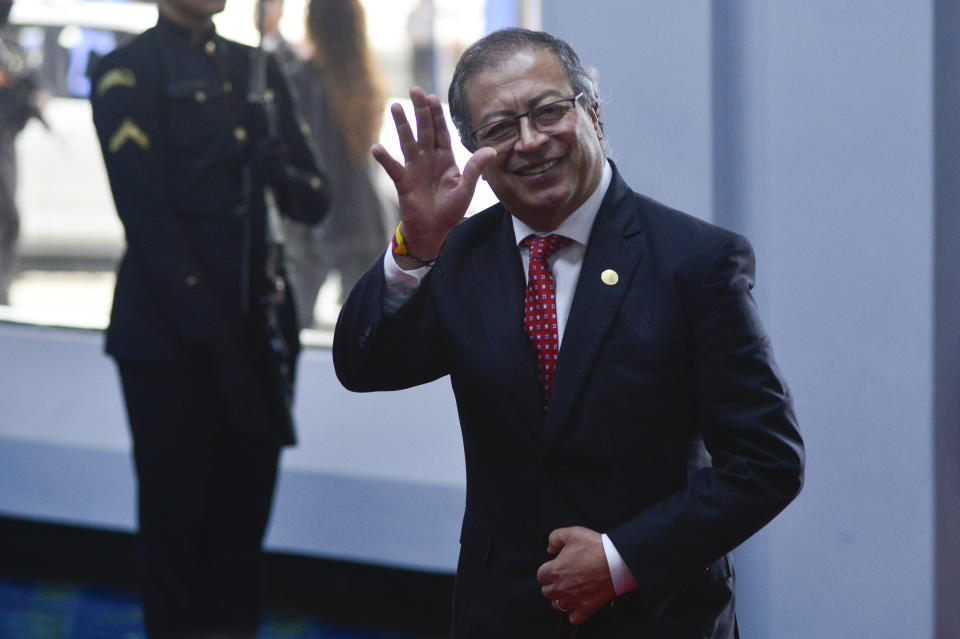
x=556 y=541
x=476 y=165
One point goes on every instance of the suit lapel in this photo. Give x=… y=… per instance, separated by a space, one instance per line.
x=616 y=244
x=508 y=343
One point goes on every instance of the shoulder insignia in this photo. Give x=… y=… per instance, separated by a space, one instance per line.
x=116 y=78
x=128 y=130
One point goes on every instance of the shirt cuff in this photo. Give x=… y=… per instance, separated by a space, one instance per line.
x=401 y=284
x=623 y=581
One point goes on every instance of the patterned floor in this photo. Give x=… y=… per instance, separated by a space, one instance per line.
x=65 y=582
x=40 y=610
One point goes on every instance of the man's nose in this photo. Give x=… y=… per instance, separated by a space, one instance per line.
x=529 y=137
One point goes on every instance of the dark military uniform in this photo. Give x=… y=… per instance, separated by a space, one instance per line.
x=200 y=351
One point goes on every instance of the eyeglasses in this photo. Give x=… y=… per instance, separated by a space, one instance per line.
x=546 y=118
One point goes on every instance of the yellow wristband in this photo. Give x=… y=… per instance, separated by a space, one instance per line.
x=399 y=247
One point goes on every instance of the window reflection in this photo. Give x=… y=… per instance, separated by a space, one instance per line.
x=71 y=239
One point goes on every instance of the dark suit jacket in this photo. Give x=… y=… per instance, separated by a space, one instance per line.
x=670 y=428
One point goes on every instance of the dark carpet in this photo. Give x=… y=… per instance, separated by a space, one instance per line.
x=63 y=582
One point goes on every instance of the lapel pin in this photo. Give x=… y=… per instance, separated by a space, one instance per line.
x=609 y=277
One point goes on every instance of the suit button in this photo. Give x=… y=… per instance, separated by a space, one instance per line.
x=192 y=280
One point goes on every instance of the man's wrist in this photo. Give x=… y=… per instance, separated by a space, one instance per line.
x=401 y=285
x=410 y=258
x=623 y=580
x=411 y=263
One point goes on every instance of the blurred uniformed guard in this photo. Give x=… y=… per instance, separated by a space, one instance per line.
x=204 y=337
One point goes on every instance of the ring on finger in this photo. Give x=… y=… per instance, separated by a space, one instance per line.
x=556 y=604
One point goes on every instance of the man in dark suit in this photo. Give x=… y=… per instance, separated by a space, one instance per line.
x=204 y=338
x=624 y=424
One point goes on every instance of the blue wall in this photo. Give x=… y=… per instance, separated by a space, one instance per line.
x=810 y=126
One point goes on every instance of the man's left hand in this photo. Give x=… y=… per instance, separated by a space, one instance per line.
x=577 y=580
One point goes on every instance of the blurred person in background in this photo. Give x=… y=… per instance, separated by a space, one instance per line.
x=420 y=30
x=205 y=340
x=20 y=100
x=273 y=40
x=343 y=99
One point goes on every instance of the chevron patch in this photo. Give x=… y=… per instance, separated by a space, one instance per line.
x=116 y=78
x=128 y=131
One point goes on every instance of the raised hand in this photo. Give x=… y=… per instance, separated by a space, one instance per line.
x=433 y=193
x=577 y=580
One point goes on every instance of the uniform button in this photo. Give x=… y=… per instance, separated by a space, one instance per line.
x=192 y=280
x=268 y=95
x=227 y=87
x=315 y=183
x=200 y=96
x=304 y=128
x=210 y=47
x=240 y=134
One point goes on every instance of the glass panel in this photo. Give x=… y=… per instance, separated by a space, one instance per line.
x=70 y=237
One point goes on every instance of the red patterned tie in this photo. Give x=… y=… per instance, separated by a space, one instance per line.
x=540 y=307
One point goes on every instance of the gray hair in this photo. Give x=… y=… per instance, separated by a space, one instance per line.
x=495 y=48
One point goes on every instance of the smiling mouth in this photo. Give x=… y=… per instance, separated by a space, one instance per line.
x=540 y=168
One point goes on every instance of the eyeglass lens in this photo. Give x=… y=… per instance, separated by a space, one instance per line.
x=542 y=118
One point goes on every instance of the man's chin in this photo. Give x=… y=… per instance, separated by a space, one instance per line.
x=542 y=214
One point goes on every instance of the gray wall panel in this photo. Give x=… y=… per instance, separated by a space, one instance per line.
x=820 y=149
x=368 y=481
x=654 y=64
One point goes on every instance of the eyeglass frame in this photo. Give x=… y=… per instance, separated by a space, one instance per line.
x=516 y=118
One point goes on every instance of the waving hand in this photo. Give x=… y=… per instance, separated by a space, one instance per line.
x=433 y=194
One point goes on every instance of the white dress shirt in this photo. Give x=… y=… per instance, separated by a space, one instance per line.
x=566 y=264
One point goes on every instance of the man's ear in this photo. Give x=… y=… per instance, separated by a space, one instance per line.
x=595 y=119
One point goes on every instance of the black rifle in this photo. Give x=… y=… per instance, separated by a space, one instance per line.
x=279 y=364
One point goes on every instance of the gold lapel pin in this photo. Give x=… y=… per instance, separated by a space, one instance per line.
x=609 y=277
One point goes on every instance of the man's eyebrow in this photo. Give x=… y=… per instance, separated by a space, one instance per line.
x=502 y=114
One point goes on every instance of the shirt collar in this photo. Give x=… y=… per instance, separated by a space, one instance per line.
x=196 y=37
x=272 y=41
x=578 y=224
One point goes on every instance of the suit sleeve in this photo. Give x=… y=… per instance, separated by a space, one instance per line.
x=374 y=350
x=126 y=102
x=748 y=426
